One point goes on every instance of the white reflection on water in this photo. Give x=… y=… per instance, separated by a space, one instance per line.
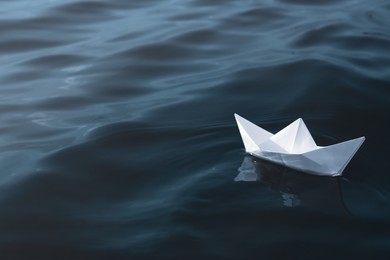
x=247 y=170
x=290 y=200
x=296 y=188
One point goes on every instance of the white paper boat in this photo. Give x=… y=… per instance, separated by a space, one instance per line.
x=295 y=148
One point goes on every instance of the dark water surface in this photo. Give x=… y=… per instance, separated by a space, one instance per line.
x=117 y=136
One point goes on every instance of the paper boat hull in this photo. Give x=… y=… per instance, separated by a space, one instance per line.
x=297 y=162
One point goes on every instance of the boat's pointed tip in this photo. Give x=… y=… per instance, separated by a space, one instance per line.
x=237 y=116
x=361 y=139
x=298 y=121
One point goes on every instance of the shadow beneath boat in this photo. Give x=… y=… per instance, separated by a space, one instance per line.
x=319 y=193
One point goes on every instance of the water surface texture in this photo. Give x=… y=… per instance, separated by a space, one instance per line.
x=118 y=141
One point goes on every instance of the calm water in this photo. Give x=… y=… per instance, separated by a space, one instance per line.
x=118 y=141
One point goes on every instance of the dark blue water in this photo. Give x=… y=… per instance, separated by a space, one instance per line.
x=118 y=141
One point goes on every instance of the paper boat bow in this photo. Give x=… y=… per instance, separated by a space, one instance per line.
x=294 y=147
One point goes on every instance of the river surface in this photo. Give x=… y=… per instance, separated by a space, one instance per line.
x=118 y=140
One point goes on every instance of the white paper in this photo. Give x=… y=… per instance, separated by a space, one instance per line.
x=294 y=147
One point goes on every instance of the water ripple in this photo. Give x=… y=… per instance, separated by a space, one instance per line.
x=117 y=136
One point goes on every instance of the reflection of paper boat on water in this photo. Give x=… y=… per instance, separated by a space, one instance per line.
x=297 y=189
x=295 y=148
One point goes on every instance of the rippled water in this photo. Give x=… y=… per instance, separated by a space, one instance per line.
x=118 y=141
